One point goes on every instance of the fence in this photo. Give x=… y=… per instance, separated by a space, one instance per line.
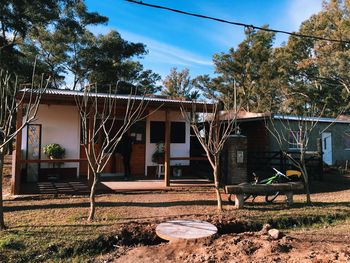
x=262 y=163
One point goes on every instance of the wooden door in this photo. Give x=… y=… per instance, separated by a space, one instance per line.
x=137 y=162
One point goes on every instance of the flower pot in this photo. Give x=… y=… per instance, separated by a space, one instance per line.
x=177 y=172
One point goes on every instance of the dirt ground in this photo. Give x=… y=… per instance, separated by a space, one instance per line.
x=136 y=215
x=306 y=246
x=323 y=243
x=6 y=182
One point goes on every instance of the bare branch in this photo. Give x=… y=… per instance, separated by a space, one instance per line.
x=108 y=118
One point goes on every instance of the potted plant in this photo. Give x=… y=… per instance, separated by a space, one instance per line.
x=54 y=151
x=158 y=154
x=177 y=171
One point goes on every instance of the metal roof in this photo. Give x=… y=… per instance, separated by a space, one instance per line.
x=153 y=98
x=249 y=116
x=307 y=118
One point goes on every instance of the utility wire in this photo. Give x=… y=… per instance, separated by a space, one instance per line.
x=238 y=23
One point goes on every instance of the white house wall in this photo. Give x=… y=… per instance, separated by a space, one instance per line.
x=60 y=124
x=176 y=149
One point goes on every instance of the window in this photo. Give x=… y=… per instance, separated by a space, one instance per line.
x=137 y=132
x=296 y=139
x=178 y=132
x=346 y=138
x=157 y=133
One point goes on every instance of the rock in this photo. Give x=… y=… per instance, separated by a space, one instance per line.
x=265 y=229
x=275 y=233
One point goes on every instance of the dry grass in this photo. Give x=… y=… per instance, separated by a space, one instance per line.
x=48 y=228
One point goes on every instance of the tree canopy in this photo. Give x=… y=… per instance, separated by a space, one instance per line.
x=302 y=73
x=179 y=84
x=59 y=37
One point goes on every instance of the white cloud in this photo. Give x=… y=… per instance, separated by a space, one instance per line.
x=300 y=10
x=164 y=51
x=160 y=51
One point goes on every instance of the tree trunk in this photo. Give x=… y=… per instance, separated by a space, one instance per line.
x=217 y=188
x=2 y=222
x=307 y=186
x=92 y=198
x=306 y=178
x=308 y=195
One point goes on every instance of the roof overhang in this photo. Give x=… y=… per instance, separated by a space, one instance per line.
x=69 y=97
x=244 y=116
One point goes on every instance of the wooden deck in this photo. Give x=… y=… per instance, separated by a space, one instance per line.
x=81 y=187
x=155 y=185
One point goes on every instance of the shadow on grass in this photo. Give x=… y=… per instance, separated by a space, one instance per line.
x=330 y=183
x=261 y=206
x=111 y=204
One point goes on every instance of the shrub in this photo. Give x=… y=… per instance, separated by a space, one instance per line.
x=54 y=151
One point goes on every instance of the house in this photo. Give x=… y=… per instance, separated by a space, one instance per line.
x=58 y=121
x=330 y=136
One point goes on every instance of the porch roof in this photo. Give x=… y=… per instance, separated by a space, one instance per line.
x=59 y=96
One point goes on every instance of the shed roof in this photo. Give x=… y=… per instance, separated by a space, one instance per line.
x=307 y=118
x=252 y=116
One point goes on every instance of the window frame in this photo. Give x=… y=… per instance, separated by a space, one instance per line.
x=153 y=138
x=174 y=137
x=294 y=139
x=346 y=136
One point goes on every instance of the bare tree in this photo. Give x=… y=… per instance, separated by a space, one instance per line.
x=212 y=134
x=11 y=100
x=104 y=116
x=296 y=133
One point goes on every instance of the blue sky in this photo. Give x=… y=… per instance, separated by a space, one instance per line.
x=175 y=40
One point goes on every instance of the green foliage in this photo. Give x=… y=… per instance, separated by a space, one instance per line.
x=316 y=71
x=10 y=242
x=108 y=59
x=58 y=36
x=251 y=68
x=17 y=20
x=286 y=222
x=54 y=150
x=179 y=84
x=305 y=76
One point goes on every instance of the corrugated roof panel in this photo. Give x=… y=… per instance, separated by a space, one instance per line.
x=306 y=118
x=119 y=96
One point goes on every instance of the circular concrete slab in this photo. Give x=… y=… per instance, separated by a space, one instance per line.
x=185 y=229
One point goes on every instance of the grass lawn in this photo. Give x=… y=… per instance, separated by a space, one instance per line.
x=45 y=228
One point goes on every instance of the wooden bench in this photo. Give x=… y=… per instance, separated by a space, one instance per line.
x=263 y=189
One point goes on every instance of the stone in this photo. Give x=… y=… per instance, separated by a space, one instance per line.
x=275 y=233
x=265 y=229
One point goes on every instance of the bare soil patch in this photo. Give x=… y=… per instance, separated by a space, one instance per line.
x=244 y=247
x=6 y=182
x=322 y=244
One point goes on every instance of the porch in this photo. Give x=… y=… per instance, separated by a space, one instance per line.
x=58 y=121
x=65 y=180
x=80 y=187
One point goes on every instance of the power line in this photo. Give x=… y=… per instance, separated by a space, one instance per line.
x=238 y=23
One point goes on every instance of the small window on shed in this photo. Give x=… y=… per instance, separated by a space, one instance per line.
x=296 y=139
x=157 y=131
x=346 y=139
x=178 y=132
